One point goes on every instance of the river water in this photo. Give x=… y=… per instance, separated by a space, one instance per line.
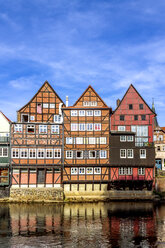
x=88 y=225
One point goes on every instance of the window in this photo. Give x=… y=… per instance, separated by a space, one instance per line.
x=160 y=137
x=49 y=153
x=82 y=127
x=74 y=171
x=23 y=153
x=79 y=154
x=121 y=117
x=143 y=117
x=128 y=171
x=89 y=112
x=140 y=106
x=158 y=148
x=32 y=118
x=94 y=103
x=40 y=153
x=121 y=171
x=45 y=105
x=163 y=148
x=122 y=138
x=74 y=127
x=39 y=108
x=69 y=154
x=81 y=170
x=15 y=153
x=135 y=117
x=81 y=112
x=89 y=170
x=130 y=106
x=25 y=118
x=79 y=141
x=103 y=140
x=142 y=153
x=57 y=118
x=97 y=126
x=18 y=128
x=69 y=140
x=55 y=129
x=125 y=171
x=103 y=154
x=3 y=152
x=30 y=128
x=92 y=140
x=89 y=126
x=73 y=112
x=121 y=128
x=141 y=171
x=97 y=170
x=97 y=112
x=92 y=154
x=32 y=153
x=85 y=103
x=42 y=129
x=130 y=138
x=130 y=153
x=122 y=153
x=57 y=153
x=52 y=105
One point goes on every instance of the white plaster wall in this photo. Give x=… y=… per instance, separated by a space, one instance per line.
x=4 y=124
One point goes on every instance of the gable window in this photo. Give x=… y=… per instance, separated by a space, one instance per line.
x=130 y=106
x=97 y=126
x=69 y=140
x=40 y=153
x=42 y=129
x=121 y=117
x=89 y=170
x=74 y=127
x=74 y=171
x=30 y=128
x=32 y=117
x=73 y=112
x=79 y=140
x=32 y=153
x=89 y=112
x=94 y=103
x=89 y=126
x=141 y=171
x=39 y=108
x=135 y=117
x=45 y=105
x=55 y=129
x=52 y=105
x=79 y=154
x=121 y=128
x=143 y=117
x=57 y=153
x=81 y=170
x=142 y=153
x=103 y=154
x=97 y=112
x=69 y=154
x=23 y=153
x=81 y=112
x=57 y=118
x=15 y=153
x=122 y=153
x=18 y=128
x=3 y=152
x=82 y=127
x=49 y=153
x=122 y=138
x=97 y=170
x=130 y=138
x=130 y=153
x=92 y=154
x=141 y=106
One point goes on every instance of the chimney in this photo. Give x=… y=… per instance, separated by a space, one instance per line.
x=118 y=102
x=67 y=101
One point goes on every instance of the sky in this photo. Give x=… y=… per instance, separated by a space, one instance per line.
x=108 y=44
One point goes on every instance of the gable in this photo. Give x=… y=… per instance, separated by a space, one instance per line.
x=90 y=99
x=4 y=123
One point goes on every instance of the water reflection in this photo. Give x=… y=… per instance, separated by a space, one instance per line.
x=82 y=225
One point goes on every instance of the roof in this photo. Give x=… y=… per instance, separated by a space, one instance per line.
x=46 y=82
x=90 y=87
x=163 y=128
x=131 y=85
x=5 y=116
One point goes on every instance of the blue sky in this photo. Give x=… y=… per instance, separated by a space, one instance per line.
x=73 y=43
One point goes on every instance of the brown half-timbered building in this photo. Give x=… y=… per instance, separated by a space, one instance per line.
x=36 y=141
x=86 y=141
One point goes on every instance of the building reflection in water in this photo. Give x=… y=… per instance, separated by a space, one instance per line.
x=82 y=225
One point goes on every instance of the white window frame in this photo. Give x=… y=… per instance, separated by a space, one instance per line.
x=74 y=170
x=103 y=140
x=48 y=152
x=143 y=156
x=81 y=171
x=91 y=140
x=57 y=118
x=40 y=150
x=132 y=153
x=32 y=117
x=96 y=125
x=74 y=127
x=121 y=128
x=103 y=154
x=18 y=128
x=81 y=155
x=79 y=140
x=43 y=129
x=89 y=170
x=123 y=138
x=89 y=127
x=15 y=150
x=81 y=112
x=130 y=138
x=31 y=150
x=121 y=153
x=70 y=153
x=141 y=171
x=52 y=105
x=97 y=112
x=89 y=112
x=45 y=105
x=55 y=129
x=82 y=127
x=69 y=140
x=97 y=170
x=73 y=112
x=90 y=155
x=58 y=152
x=31 y=126
x=25 y=151
x=2 y=149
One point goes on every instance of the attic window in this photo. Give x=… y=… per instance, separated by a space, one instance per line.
x=130 y=106
x=39 y=108
x=140 y=106
x=89 y=103
x=25 y=118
